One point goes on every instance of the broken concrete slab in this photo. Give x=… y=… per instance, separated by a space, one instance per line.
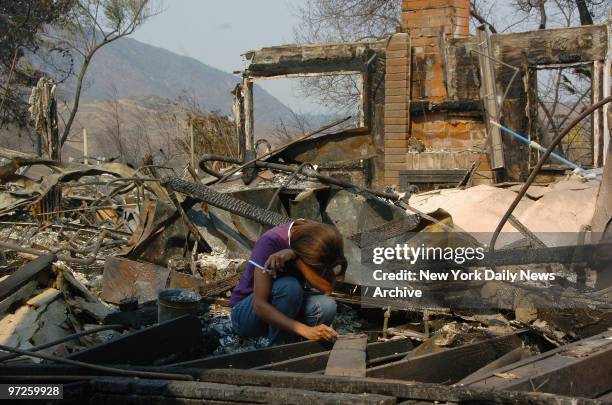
x=40 y=320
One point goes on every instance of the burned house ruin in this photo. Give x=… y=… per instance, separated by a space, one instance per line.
x=428 y=95
x=114 y=281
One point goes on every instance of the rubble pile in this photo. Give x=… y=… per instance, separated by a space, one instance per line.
x=81 y=280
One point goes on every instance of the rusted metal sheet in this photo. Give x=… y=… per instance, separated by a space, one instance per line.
x=354 y=213
x=125 y=278
x=160 y=234
x=349 y=145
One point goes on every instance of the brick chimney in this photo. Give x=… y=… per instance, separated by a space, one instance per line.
x=426 y=25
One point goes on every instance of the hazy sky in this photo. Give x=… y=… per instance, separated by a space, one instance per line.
x=217 y=32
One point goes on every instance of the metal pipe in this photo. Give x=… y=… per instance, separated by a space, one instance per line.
x=209 y=157
x=539 y=165
x=537 y=146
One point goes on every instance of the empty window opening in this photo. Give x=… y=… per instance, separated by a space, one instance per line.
x=293 y=106
x=563 y=93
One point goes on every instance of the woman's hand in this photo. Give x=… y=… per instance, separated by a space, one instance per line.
x=319 y=332
x=276 y=261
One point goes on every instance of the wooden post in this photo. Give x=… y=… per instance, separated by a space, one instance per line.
x=367 y=96
x=532 y=112
x=54 y=146
x=488 y=91
x=364 y=99
x=597 y=120
x=192 y=145
x=46 y=118
x=249 y=126
x=238 y=108
x=606 y=91
x=85 y=152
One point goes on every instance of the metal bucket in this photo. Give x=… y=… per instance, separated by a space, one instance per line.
x=176 y=302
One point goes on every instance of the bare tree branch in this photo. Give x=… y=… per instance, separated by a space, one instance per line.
x=118 y=19
x=585 y=15
x=476 y=14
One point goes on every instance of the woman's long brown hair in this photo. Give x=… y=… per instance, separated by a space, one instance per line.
x=319 y=245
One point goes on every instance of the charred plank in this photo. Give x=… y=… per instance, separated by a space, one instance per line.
x=448 y=366
x=167 y=339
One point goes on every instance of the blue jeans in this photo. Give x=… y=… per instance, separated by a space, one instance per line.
x=287 y=296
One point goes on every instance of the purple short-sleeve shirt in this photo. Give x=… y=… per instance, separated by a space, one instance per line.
x=272 y=241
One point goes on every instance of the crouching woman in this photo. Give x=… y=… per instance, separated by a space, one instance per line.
x=273 y=301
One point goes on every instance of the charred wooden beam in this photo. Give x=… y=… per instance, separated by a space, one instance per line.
x=401 y=390
x=450 y=365
x=26 y=273
x=126 y=391
x=452 y=106
x=259 y=357
x=488 y=92
x=317 y=362
x=171 y=338
x=553 y=46
x=512 y=357
x=395 y=388
x=249 y=119
x=333 y=58
x=348 y=357
x=598 y=117
x=582 y=368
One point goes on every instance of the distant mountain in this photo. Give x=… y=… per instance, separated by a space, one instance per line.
x=138 y=70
